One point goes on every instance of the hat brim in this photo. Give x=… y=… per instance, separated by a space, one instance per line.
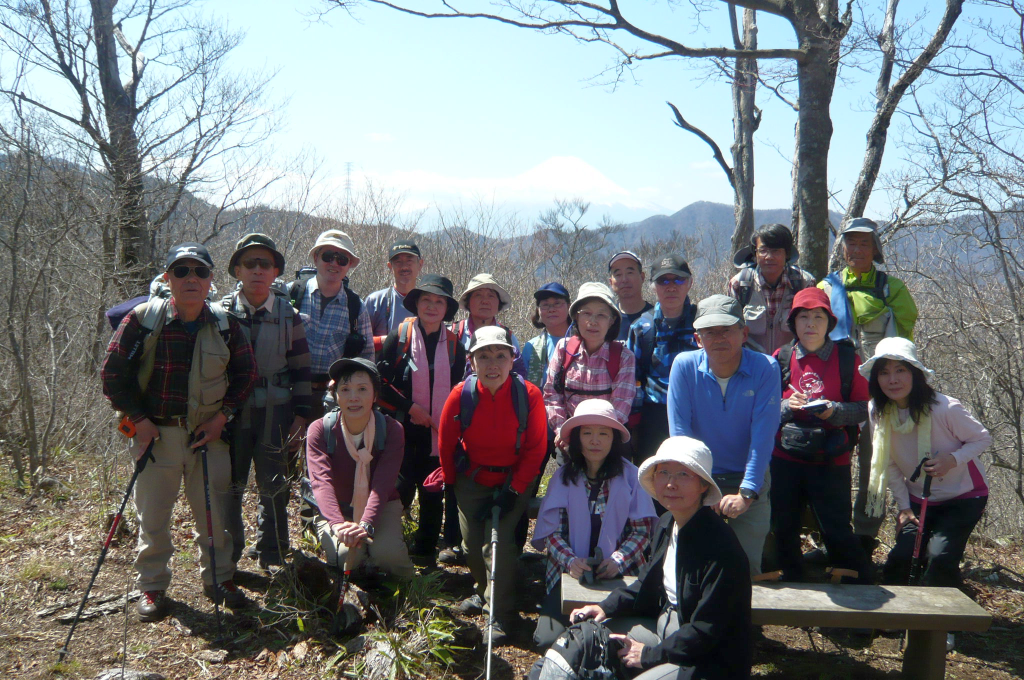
x=865 y=368
x=414 y=295
x=624 y=256
x=574 y=307
x=712 y=320
x=646 y=475
x=879 y=257
x=278 y=257
x=743 y=257
x=352 y=257
x=592 y=419
x=188 y=257
x=493 y=343
x=677 y=272
x=362 y=364
x=545 y=294
x=504 y=299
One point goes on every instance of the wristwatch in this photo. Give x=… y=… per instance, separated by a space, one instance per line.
x=749 y=494
x=368 y=528
x=228 y=413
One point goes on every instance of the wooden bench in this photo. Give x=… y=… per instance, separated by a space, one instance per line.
x=926 y=613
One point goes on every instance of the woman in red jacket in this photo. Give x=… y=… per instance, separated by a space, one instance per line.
x=492 y=442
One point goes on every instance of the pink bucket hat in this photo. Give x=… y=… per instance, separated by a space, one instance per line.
x=593 y=412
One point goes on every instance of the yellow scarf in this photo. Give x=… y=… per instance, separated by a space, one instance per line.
x=882 y=445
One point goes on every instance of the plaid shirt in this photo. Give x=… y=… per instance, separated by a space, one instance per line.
x=773 y=296
x=635 y=538
x=327 y=333
x=589 y=373
x=167 y=393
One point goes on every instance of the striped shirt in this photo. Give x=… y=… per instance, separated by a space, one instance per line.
x=629 y=555
x=327 y=329
x=589 y=373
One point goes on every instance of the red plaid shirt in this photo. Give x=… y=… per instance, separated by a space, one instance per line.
x=167 y=393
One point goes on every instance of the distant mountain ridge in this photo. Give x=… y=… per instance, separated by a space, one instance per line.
x=714 y=219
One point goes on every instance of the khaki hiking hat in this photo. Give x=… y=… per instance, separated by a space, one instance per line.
x=255 y=241
x=593 y=412
x=865 y=226
x=593 y=290
x=489 y=336
x=485 y=281
x=899 y=349
x=337 y=239
x=690 y=452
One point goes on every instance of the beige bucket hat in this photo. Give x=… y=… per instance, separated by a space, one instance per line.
x=337 y=239
x=485 y=281
x=593 y=290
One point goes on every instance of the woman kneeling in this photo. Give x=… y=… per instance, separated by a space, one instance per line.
x=353 y=469
x=595 y=516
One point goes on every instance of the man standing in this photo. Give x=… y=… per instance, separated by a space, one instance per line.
x=277 y=411
x=626 y=278
x=656 y=338
x=766 y=284
x=869 y=305
x=336 y=321
x=385 y=306
x=729 y=397
x=180 y=370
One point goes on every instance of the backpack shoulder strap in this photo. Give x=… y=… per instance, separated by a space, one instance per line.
x=152 y=315
x=614 y=358
x=881 y=290
x=847 y=353
x=223 y=325
x=785 y=358
x=453 y=341
x=380 y=435
x=572 y=348
x=330 y=421
x=746 y=285
x=521 y=405
x=297 y=291
x=355 y=306
x=467 y=403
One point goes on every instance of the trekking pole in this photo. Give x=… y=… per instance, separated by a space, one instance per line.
x=915 y=564
x=495 y=517
x=203 y=450
x=140 y=465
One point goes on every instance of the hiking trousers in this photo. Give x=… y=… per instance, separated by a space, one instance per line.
x=651 y=632
x=472 y=499
x=252 y=447
x=863 y=523
x=156 y=491
x=416 y=466
x=388 y=550
x=751 y=528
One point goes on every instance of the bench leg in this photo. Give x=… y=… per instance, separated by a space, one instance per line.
x=925 y=655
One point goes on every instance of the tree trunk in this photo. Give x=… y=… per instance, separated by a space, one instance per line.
x=745 y=121
x=123 y=155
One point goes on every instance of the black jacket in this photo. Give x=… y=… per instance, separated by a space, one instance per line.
x=713 y=591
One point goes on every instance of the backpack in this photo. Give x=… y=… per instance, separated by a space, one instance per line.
x=308 y=509
x=572 y=350
x=583 y=652
x=467 y=405
x=746 y=282
x=355 y=341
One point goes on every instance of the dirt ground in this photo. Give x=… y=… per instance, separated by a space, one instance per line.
x=49 y=544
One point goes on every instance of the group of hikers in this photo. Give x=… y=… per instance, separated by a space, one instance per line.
x=684 y=433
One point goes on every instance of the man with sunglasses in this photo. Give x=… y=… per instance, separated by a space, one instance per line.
x=656 y=338
x=328 y=307
x=276 y=414
x=180 y=370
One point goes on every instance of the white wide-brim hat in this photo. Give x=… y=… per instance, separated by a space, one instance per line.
x=337 y=239
x=593 y=412
x=490 y=336
x=899 y=349
x=485 y=281
x=688 y=451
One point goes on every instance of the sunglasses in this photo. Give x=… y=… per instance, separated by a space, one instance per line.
x=673 y=281
x=260 y=262
x=334 y=256
x=183 y=272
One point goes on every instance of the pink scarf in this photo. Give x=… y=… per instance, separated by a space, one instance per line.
x=421 y=378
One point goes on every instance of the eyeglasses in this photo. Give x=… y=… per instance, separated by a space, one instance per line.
x=664 y=476
x=674 y=281
x=257 y=262
x=335 y=256
x=599 y=318
x=767 y=252
x=183 y=272
x=552 y=306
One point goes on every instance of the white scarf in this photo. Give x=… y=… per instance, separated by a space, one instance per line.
x=362 y=456
x=888 y=423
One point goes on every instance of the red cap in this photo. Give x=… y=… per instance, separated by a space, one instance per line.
x=811 y=298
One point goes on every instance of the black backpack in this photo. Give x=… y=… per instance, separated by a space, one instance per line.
x=355 y=341
x=583 y=652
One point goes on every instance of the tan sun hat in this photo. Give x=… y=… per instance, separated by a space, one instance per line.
x=485 y=281
x=337 y=239
x=488 y=336
x=594 y=290
x=687 y=451
x=593 y=412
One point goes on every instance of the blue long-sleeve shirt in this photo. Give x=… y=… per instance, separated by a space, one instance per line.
x=739 y=428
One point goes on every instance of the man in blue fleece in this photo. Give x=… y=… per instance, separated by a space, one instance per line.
x=728 y=397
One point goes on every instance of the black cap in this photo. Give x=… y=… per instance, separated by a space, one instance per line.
x=188 y=251
x=255 y=241
x=438 y=285
x=355 y=362
x=670 y=264
x=406 y=246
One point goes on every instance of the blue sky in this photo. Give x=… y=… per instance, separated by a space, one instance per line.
x=447 y=111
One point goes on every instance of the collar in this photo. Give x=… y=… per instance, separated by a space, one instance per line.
x=268 y=304
x=604 y=352
x=505 y=387
x=823 y=353
x=660 y=316
x=743 y=369
x=783 y=279
x=865 y=279
x=172 y=312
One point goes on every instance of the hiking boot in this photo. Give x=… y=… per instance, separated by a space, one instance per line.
x=452 y=556
x=152 y=606
x=817 y=556
x=499 y=636
x=230 y=595
x=250 y=553
x=869 y=543
x=271 y=562
x=474 y=604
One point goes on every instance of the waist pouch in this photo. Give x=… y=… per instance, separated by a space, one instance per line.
x=814 y=444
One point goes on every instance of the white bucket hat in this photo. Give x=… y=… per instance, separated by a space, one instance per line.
x=593 y=412
x=593 y=290
x=488 y=336
x=337 y=239
x=865 y=226
x=690 y=452
x=485 y=281
x=899 y=349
